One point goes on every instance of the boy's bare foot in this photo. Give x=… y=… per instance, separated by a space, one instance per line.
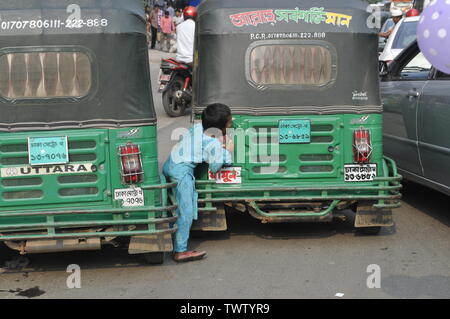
x=189 y=256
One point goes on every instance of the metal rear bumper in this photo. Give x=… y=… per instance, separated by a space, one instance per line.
x=152 y=220
x=383 y=194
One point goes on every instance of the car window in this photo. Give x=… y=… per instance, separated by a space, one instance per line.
x=387 y=25
x=418 y=68
x=442 y=76
x=406 y=34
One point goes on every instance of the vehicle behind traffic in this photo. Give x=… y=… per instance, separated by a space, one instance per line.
x=307 y=119
x=405 y=32
x=381 y=40
x=416 y=115
x=78 y=137
x=175 y=84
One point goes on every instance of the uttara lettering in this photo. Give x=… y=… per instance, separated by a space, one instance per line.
x=313 y=16
x=47 y=170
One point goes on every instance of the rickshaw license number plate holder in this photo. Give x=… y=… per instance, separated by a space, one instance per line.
x=228 y=175
x=164 y=78
x=294 y=131
x=360 y=172
x=130 y=197
x=48 y=150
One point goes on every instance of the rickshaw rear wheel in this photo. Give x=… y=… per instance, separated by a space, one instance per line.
x=171 y=106
x=155 y=258
x=370 y=230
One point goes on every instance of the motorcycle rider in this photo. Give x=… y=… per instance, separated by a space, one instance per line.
x=185 y=36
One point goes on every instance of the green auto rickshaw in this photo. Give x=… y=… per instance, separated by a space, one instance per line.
x=301 y=79
x=78 y=137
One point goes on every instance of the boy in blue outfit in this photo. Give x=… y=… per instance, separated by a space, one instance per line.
x=204 y=142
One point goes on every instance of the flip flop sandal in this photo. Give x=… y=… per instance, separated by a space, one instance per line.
x=192 y=256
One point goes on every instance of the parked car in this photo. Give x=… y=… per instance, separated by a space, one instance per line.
x=416 y=100
x=403 y=34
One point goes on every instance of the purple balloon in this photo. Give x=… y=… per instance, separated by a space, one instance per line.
x=433 y=34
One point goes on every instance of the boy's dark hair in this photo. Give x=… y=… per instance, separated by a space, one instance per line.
x=166 y=13
x=215 y=116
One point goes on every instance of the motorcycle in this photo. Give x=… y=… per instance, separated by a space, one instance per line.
x=175 y=84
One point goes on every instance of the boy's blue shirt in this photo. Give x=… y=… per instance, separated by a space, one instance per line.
x=194 y=148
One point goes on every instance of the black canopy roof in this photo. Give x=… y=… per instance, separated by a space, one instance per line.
x=125 y=16
x=228 y=31
x=111 y=34
x=212 y=12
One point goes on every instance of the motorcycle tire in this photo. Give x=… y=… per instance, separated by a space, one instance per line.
x=172 y=108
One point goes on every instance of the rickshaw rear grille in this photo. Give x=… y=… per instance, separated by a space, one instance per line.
x=14 y=182
x=23 y=194
x=316 y=157
x=78 y=191
x=74 y=179
x=316 y=168
x=269 y=170
x=14 y=160
x=304 y=161
x=47 y=188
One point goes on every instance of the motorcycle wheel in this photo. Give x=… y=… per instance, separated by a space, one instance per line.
x=171 y=106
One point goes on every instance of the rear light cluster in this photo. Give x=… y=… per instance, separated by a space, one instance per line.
x=362 y=146
x=131 y=164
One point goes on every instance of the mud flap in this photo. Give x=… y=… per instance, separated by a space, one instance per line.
x=151 y=243
x=211 y=221
x=369 y=216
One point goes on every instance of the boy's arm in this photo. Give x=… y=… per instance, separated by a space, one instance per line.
x=216 y=156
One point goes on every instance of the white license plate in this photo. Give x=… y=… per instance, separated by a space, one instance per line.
x=164 y=78
x=130 y=197
x=228 y=175
x=360 y=172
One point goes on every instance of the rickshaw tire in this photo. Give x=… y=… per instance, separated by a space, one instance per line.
x=166 y=99
x=370 y=230
x=154 y=258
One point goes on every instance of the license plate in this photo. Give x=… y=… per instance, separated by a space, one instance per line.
x=48 y=150
x=294 y=131
x=164 y=78
x=360 y=172
x=229 y=175
x=130 y=197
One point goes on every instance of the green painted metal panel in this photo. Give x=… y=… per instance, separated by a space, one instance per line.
x=57 y=204
x=330 y=149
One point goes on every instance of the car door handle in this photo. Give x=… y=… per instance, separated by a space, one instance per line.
x=413 y=93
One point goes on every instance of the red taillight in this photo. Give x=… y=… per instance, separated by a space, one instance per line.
x=362 y=146
x=131 y=164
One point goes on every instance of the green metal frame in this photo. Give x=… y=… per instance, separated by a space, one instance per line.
x=120 y=218
x=385 y=191
x=53 y=216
